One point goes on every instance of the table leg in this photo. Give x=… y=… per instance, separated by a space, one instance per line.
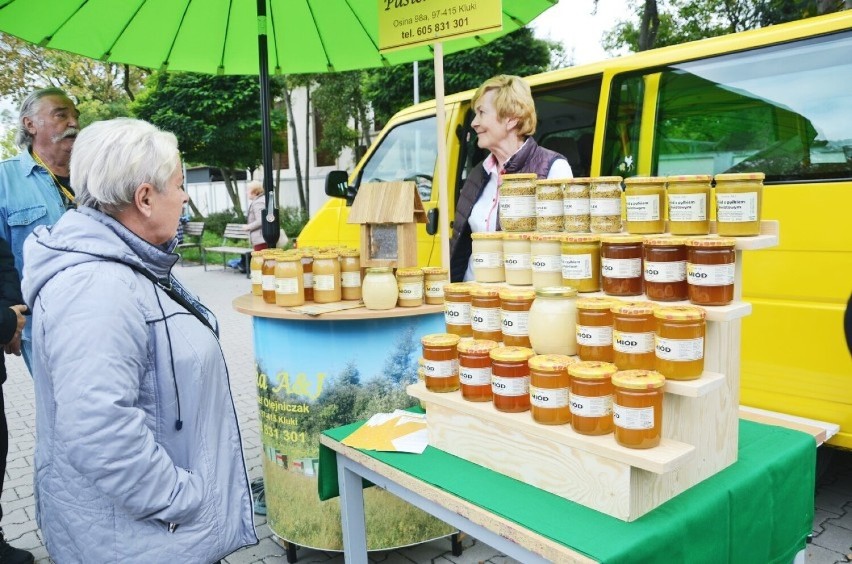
x=352 y=513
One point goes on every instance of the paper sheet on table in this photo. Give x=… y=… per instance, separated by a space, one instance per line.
x=400 y=431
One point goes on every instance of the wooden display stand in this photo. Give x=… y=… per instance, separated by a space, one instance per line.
x=700 y=428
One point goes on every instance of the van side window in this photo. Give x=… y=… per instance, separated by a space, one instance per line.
x=408 y=152
x=785 y=110
x=621 y=145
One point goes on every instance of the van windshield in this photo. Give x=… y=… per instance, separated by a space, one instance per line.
x=408 y=152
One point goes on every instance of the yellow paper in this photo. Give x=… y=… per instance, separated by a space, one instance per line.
x=400 y=431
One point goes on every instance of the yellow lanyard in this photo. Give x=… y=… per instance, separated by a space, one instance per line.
x=65 y=191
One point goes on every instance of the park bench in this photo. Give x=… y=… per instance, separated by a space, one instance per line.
x=233 y=233
x=192 y=234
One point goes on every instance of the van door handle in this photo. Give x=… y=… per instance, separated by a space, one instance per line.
x=432 y=221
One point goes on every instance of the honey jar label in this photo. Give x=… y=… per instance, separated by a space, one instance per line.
x=286 y=286
x=515 y=323
x=584 y=406
x=516 y=262
x=410 y=291
x=687 y=207
x=674 y=271
x=634 y=418
x=679 y=350
x=487 y=260
x=510 y=386
x=324 y=282
x=457 y=313
x=440 y=368
x=633 y=343
x=549 y=398
x=577 y=267
x=547 y=263
x=605 y=206
x=643 y=208
x=710 y=274
x=268 y=283
x=256 y=277
x=736 y=208
x=485 y=319
x=474 y=376
x=435 y=288
x=575 y=206
x=621 y=268
x=594 y=336
x=350 y=279
x=549 y=208
x=308 y=279
x=515 y=207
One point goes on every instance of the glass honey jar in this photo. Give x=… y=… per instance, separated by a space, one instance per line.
x=621 y=265
x=256 y=273
x=517 y=264
x=440 y=362
x=434 y=280
x=308 y=273
x=549 y=214
x=268 y=277
x=546 y=259
x=605 y=204
x=515 y=304
x=457 y=309
x=739 y=198
x=581 y=262
x=688 y=198
x=289 y=291
x=350 y=274
x=633 y=327
x=594 y=328
x=379 y=289
x=591 y=397
x=475 y=368
x=637 y=409
x=326 y=274
x=549 y=388
x=679 y=342
x=710 y=270
x=553 y=321
x=510 y=378
x=485 y=312
x=517 y=202
x=664 y=269
x=575 y=205
x=486 y=257
x=645 y=200
x=410 y=284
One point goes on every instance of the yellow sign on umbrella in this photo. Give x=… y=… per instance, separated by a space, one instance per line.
x=404 y=23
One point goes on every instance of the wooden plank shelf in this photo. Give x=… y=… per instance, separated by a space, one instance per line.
x=708 y=382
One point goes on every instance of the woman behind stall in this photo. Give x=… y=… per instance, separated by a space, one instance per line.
x=504 y=123
x=138 y=455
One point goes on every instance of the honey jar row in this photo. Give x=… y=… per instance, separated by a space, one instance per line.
x=595 y=204
x=595 y=398
x=665 y=268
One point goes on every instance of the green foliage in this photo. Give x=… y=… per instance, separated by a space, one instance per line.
x=292 y=220
x=216 y=222
x=337 y=99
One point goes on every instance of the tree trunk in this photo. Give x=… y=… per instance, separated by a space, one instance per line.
x=291 y=126
x=195 y=212
x=126 y=83
x=307 y=205
x=650 y=26
x=231 y=186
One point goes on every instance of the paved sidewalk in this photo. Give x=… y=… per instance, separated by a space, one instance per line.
x=832 y=521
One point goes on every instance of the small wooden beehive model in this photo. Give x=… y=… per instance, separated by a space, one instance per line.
x=388 y=213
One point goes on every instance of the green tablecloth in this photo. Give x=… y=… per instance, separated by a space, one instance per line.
x=757 y=510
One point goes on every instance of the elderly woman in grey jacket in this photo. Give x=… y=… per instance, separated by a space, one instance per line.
x=138 y=455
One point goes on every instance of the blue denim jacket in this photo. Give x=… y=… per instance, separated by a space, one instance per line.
x=28 y=198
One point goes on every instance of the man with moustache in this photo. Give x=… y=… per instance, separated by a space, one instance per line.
x=34 y=185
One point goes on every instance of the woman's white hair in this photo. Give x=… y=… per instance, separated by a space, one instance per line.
x=112 y=158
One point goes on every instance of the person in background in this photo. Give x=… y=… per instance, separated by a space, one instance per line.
x=504 y=123
x=254 y=215
x=138 y=456
x=11 y=325
x=35 y=188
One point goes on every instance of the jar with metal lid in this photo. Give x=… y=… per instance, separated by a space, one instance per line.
x=581 y=262
x=549 y=388
x=487 y=256
x=515 y=307
x=308 y=273
x=379 y=290
x=621 y=265
x=268 y=277
x=350 y=274
x=575 y=204
x=326 y=273
x=549 y=209
x=510 y=378
x=517 y=202
x=441 y=362
x=664 y=269
x=553 y=321
x=689 y=204
x=485 y=312
x=679 y=342
x=605 y=204
x=457 y=309
x=591 y=397
x=516 y=258
x=475 y=368
x=434 y=280
x=739 y=198
x=710 y=270
x=410 y=283
x=594 y=328
x=645 y=200
x=633 y=329
x=637 y=409
x=256 y=273
x=289 y=291
x=546 y=259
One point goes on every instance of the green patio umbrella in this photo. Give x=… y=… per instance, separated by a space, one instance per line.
x=243 y=37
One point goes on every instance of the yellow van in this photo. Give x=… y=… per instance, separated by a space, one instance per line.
x=776 y=100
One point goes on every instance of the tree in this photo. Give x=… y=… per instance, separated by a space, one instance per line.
x=215 y=118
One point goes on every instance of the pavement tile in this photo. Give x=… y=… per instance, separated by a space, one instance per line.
x=844 y=521
x=820 y=517
x=814 y=553
x=834 y=538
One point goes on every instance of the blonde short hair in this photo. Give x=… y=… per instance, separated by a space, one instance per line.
x=513 y=100
x=255 y=188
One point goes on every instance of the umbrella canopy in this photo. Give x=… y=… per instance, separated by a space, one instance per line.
x=220 y=36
